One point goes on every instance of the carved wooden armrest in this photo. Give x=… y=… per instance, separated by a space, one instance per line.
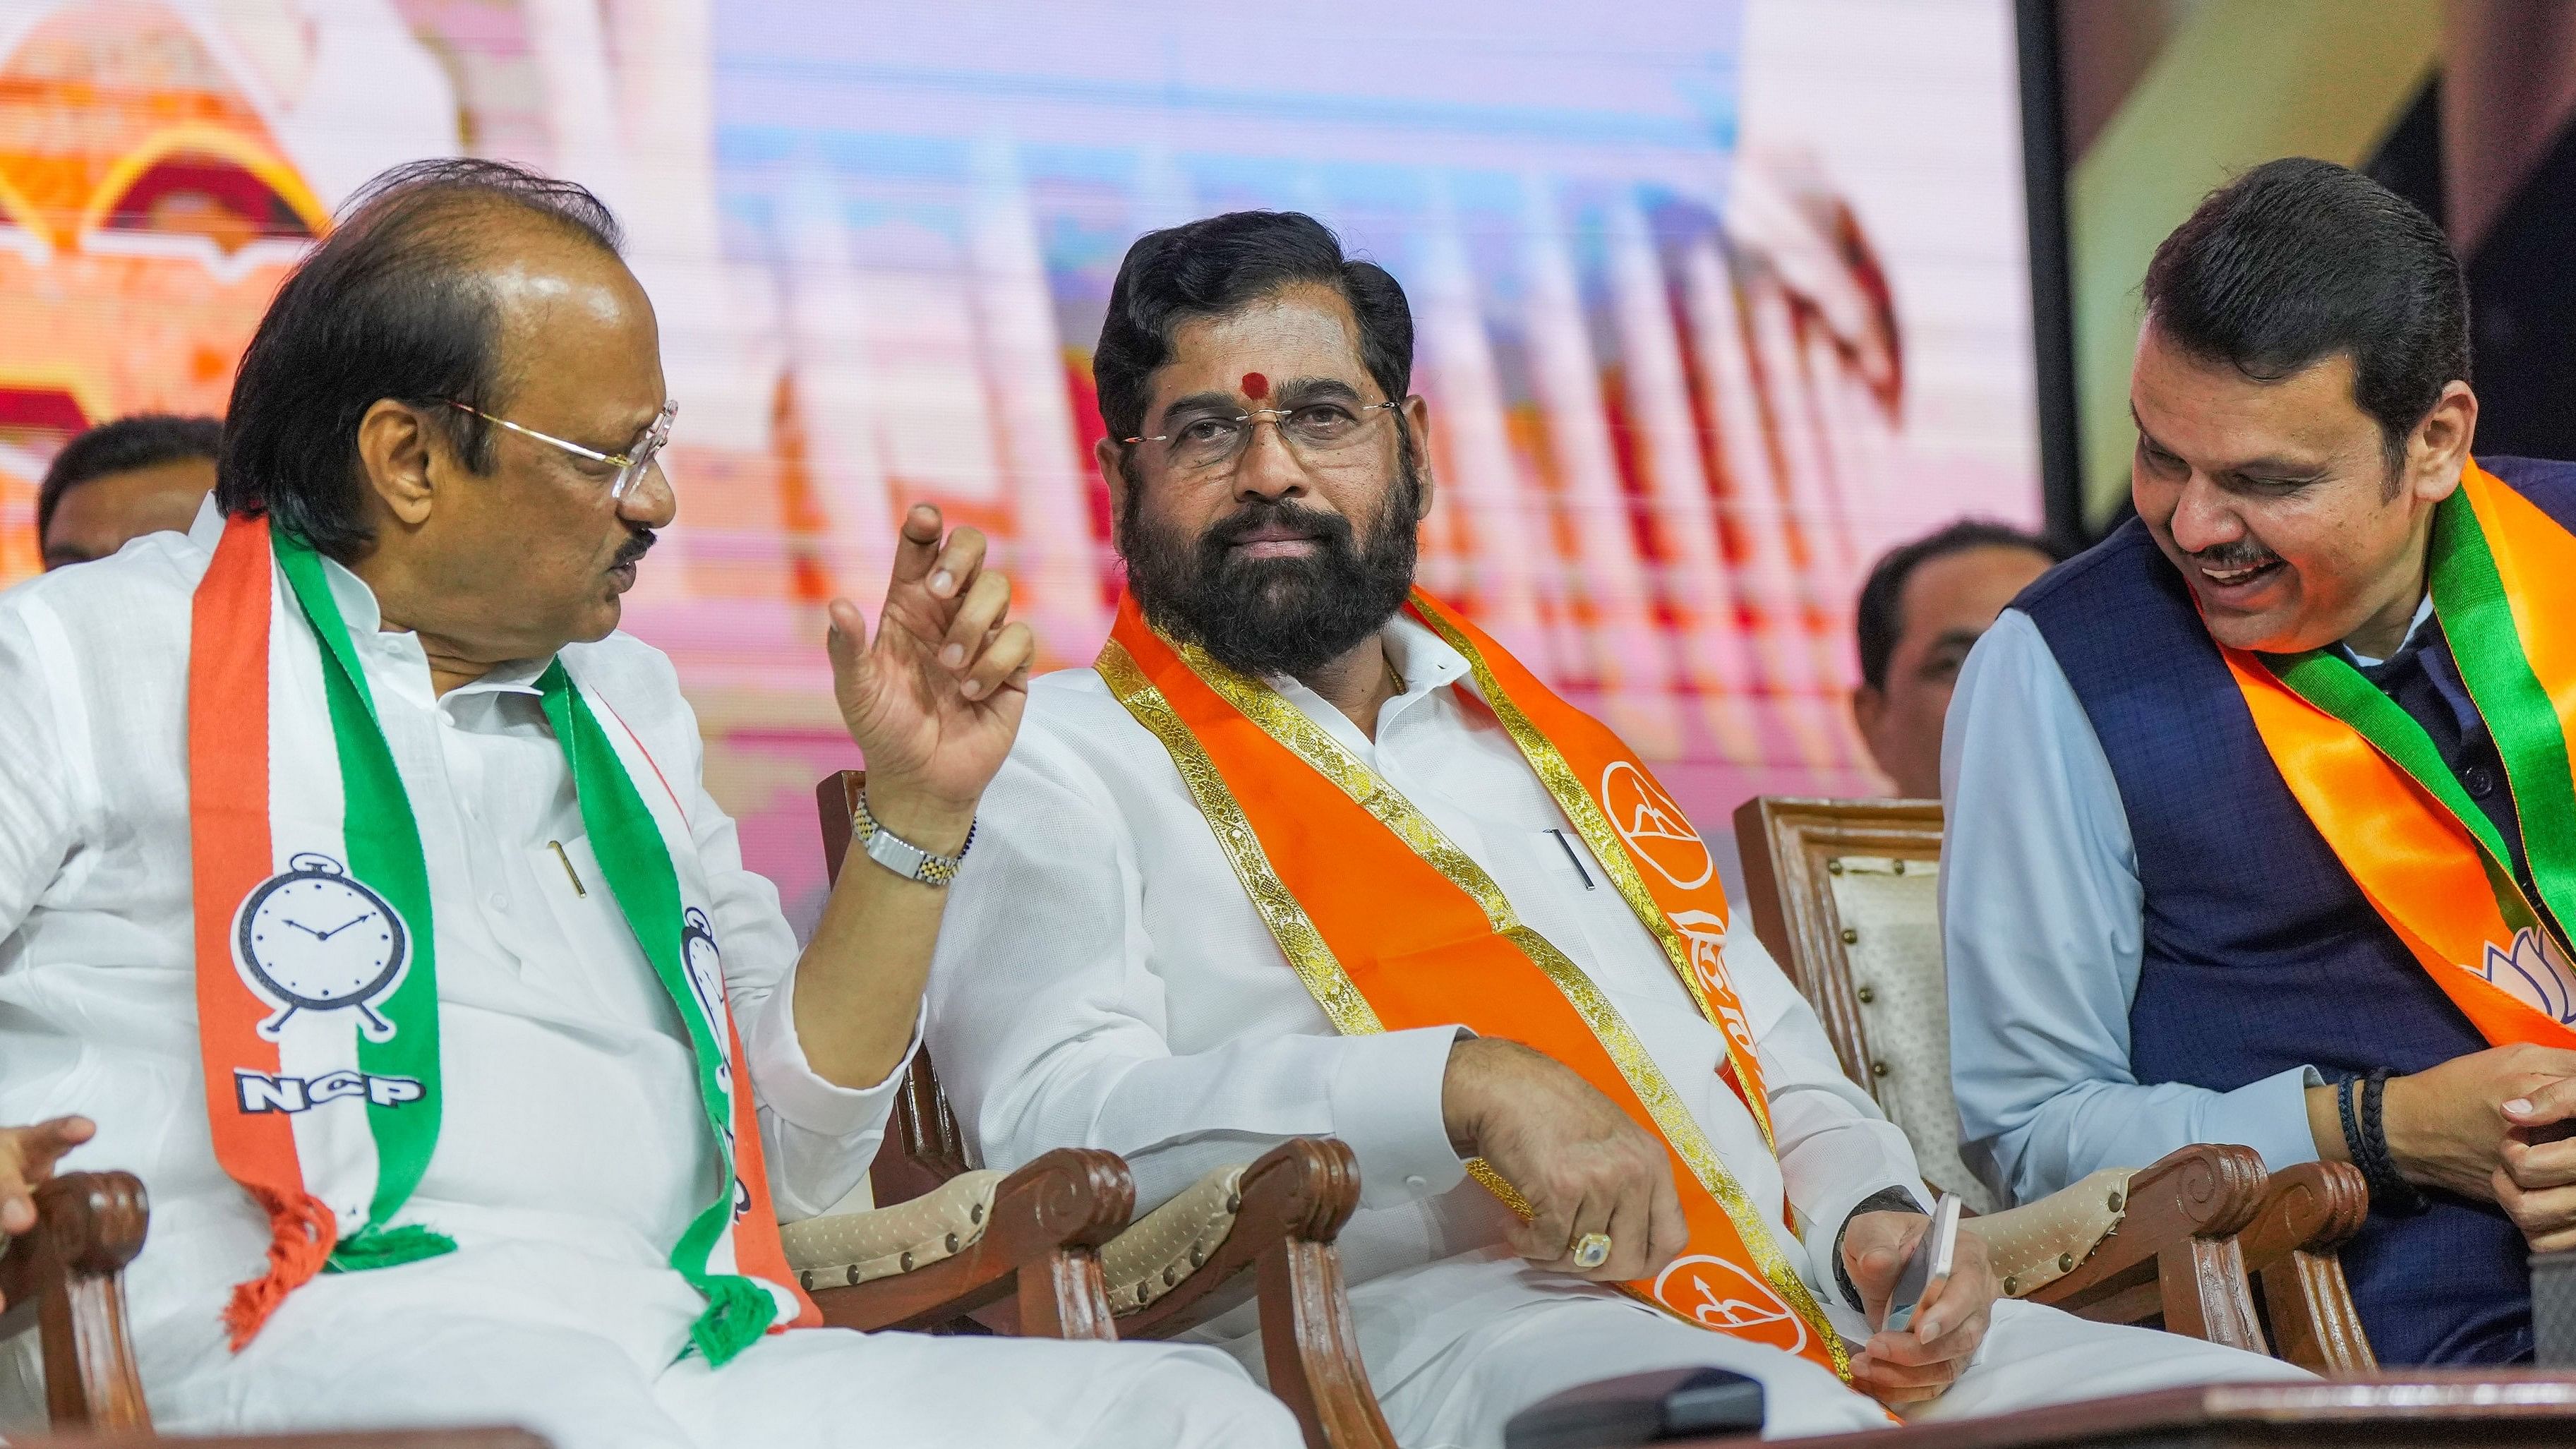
x=1033 y=1237
x=2307 y=1212
x=2173 y=1254
x=1267 y=1226
x=66 y=1278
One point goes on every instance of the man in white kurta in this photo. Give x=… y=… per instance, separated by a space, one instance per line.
x=574 y=1149
x=1105 y=980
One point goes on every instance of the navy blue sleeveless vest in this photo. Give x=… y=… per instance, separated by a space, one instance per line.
x=2261 y=954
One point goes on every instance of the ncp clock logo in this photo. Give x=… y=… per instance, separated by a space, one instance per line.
x=315 y=938
x=1654 y=826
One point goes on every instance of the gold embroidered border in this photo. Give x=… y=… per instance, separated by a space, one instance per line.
x=1283 y=722
x=1290 y=926
x=1585 y=813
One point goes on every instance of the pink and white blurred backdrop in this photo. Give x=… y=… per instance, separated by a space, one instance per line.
x=1716 y=299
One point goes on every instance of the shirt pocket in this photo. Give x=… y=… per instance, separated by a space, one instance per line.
x=601 y=966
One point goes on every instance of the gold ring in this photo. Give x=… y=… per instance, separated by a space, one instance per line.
x=1591 y=1251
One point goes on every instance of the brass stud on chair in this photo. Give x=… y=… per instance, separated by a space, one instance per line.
x=2115 y=1199
x=1234 y=1202
x=1144 y=1294
x=2012 y=1287
x=907 y=1260
x=1878 y=1069
x=1866 y=994
x=806 y=1278
x=1171 y=1276
x=1851 y=936
x=1900 y=867
x=1834 y=867
x=2066 y=1262
x=1198 y=1255
x=952 y=1242
x=975 y=1213
x=851 y=1276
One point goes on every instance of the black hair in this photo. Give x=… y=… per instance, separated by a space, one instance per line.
x=1880 y=619
x=392 y=304
x=126 y=445
x=2299 y=260
x=1216 y=264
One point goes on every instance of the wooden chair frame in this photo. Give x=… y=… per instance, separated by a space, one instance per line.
x=1295 y=1200
x=2203 y=1217
x=65 y=1278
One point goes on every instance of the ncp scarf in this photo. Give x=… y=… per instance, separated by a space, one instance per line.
x=316 y=945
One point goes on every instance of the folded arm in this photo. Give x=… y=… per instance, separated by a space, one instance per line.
x=2043 y=931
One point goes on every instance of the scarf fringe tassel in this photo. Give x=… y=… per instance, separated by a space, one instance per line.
x=305 y=1231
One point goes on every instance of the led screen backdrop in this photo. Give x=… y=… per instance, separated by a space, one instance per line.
x=1716 y=299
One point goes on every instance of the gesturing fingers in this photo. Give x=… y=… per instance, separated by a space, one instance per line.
x=27 y=1157
x=986 y=603
x=918 y=544
x=1004 y=664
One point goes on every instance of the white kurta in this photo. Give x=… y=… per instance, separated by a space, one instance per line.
x=1104 y=981
x=574 y=1149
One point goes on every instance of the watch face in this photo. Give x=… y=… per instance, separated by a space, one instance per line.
x=313 y=939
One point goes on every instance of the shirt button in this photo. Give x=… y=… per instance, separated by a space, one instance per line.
x=498 y=901
x=1417 y=1182
x=2480 y=780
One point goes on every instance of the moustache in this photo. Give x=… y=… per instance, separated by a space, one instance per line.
x=637 y=544
x=1331 y=529
x=2242 y=554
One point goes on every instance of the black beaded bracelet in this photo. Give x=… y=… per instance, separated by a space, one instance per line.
x=2389 y=1189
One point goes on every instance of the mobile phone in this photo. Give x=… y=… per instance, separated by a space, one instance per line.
x=1930 y=1262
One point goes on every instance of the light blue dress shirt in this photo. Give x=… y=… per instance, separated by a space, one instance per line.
x=2043 y=925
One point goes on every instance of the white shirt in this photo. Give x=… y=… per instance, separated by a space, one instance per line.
x=1104 y=981
x=572 y=1113
x=2043 y=925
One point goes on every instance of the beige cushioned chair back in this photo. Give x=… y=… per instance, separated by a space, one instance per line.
x=1891 y=939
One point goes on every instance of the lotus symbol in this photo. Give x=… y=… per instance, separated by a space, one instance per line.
x=2533 y=972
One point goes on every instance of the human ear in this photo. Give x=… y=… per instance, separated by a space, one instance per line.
x=2439 y=448
x=394 y=449
x=1110 y=457
x=1417 y=435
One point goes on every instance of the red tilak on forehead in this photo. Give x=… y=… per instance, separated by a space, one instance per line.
x=1255 y=386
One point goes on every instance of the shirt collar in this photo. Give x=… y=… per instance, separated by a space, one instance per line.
x=1421 y=658
x=2414 y=626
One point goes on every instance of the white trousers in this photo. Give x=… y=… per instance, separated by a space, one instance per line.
x=586 y=1354
x=2031 y=1356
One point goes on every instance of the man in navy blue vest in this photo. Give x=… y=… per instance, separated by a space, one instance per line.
x=2149 y=942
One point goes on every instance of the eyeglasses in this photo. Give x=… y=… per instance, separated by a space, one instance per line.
x=1321 y=433
x=631 y=464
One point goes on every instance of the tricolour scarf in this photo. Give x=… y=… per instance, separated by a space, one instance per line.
x=317 y=971
x=1392 y=926
x=2503 y=580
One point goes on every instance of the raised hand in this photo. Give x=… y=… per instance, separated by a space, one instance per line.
x=27 y=1157
x=1583 y=1165
x=1919 y=1362
x=934 y=699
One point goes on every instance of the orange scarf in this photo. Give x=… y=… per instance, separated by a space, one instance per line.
x=1392 y=926
x=2503 y=579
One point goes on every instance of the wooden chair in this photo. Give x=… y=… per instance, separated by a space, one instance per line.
x=65 y=1279
x=1844 y=893
x=1264 y=1229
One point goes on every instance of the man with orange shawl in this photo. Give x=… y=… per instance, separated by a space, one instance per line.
x=2258 y=808
x=1308 y=853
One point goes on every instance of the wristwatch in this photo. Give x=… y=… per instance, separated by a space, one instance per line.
x=902 y=856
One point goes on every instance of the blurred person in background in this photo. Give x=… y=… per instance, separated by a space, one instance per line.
x=1924 y=607
x=121 y=480
x=2259 y=812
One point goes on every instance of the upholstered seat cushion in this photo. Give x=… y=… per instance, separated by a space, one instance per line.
x=849 y=1248
x=1169 y=1243
x=2038 y=1243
